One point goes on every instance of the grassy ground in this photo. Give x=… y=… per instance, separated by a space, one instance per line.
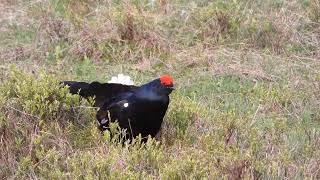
x=247 y=105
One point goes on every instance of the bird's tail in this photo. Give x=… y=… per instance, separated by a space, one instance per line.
x=121 y=79
x=76 y=87
x=101 y=91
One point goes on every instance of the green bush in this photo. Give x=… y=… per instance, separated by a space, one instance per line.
x=35 y=115
x=247 y=106
x=182 y=113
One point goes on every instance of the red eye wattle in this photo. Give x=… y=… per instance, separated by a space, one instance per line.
x=166 y=80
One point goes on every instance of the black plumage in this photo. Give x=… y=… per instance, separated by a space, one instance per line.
x=139 y=110
x=101 y=91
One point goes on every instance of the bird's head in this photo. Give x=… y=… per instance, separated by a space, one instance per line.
x=161 y=86
x=166 y=82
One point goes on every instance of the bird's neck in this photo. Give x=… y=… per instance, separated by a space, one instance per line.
x=148 y=93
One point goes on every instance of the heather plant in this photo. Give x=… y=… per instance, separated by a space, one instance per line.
x=246 y=104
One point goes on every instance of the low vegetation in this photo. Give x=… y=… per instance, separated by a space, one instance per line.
x=247 y=103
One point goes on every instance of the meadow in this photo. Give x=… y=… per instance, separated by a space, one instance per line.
x=247 y=103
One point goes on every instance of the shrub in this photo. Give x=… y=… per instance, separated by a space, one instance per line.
x=35 y=116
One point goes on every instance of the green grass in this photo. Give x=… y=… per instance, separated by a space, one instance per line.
x=246 y=106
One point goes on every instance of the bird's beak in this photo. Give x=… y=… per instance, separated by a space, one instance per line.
x=173 y=87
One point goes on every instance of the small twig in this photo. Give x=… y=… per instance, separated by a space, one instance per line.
x=130 y=128
x=22 y=112
x=254 y=116
x=86 y=107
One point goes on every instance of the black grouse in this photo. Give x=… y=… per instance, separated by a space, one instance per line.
x=139 y=110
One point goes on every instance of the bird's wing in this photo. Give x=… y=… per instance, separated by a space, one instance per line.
x=119 y=108
x=101 y=91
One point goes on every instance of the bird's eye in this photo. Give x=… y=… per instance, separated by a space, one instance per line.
x=125 y=105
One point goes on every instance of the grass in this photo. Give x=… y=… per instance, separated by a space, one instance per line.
x=247 y=103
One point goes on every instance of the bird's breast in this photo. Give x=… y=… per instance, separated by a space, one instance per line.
x=147 y=116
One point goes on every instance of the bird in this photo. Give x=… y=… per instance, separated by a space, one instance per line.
x=139 y=110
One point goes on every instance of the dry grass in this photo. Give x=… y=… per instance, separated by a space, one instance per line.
x=247 y=105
